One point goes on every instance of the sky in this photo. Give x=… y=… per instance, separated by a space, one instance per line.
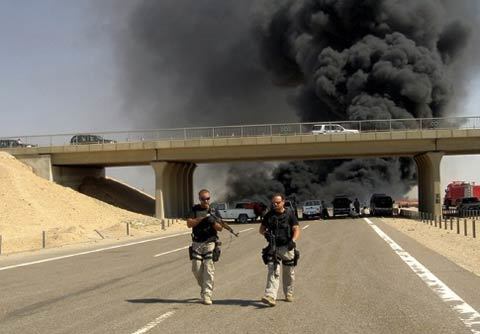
x=58 y=75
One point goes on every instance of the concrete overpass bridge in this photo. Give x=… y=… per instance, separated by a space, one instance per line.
x=175 y=153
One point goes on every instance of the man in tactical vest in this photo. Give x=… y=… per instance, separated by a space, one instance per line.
x=204 y=249
x=280 y=228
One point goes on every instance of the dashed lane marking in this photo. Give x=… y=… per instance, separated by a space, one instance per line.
x=467 y=314
x=172 y=251
x=154 y=323
x=305 y=227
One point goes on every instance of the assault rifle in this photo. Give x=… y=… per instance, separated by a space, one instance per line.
x=269 y=253
x=224 y=224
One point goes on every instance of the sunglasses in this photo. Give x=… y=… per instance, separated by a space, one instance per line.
x=205 y=198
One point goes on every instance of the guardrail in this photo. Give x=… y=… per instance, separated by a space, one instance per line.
x=465 y=224
x=239 y=131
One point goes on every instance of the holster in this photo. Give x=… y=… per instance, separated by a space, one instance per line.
x=293 y=262
x=190 y=253
x=216 y=251
x=266 y=256
x=296 y=257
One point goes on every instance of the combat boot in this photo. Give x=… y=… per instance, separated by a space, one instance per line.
x=268 y=300
x=207 y=300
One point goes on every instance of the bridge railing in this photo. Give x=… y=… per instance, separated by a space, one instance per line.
x=259 y=130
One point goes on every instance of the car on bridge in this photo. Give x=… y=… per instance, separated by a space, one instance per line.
x=90 y=139
x=322 y=129
x=11 y=143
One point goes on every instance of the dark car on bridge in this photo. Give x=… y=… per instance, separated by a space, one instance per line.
x=90 y=139
x=12 y=143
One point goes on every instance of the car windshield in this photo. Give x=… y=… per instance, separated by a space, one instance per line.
x=341 y=201
x=220 y=206
x=470 y=200
x=312 y=203
x=317 y=127
x=384 y=201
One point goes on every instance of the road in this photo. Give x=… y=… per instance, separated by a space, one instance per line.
x=349 y=280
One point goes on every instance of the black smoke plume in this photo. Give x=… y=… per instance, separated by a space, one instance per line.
x=361 y=60
x=192 y=63
x=196 y=63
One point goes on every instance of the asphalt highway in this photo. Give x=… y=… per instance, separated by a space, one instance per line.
x=354 y=276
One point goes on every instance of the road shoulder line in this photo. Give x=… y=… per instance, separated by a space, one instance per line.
x=467 y=314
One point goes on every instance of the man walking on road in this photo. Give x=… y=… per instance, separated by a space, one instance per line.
x=203 y=249
x=280 y=228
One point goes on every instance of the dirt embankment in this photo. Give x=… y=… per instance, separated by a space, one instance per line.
x=463 y=250
x=30 y=205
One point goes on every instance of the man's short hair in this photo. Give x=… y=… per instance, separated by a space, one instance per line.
x=203 y=191
x=282 y=196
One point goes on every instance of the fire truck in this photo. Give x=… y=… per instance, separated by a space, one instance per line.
x=457 y=190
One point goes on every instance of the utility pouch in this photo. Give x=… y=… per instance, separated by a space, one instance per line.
x=216 y=251
x=296 y=257
x=266 y=256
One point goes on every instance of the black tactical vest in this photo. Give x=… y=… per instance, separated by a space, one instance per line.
x=280 y=225
x=204 y=231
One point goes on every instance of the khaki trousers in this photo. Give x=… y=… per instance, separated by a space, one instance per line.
x=288 y=274
x=203 y=269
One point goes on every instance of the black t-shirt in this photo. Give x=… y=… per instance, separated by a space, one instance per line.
x=204 y=230
x=280 y=225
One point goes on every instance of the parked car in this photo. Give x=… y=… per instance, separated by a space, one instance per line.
x=11 y=143
x=90 y=139
x=342 y=205
x=381 y=205
x=311 y=209
x=240 y=215
x=331 y=128
x=468 y=206
x=258 y=207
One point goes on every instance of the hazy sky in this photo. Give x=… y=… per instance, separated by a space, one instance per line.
x=58 y=75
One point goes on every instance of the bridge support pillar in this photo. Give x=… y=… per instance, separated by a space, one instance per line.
x=173 y=188
x=429 y=189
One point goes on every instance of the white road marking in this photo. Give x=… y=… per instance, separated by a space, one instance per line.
x=467 y=314
x=305 y=227
x=89 y=252
x=154 y=323
x=172 y=251
x=182 y=248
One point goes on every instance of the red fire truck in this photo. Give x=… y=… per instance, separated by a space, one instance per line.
x=457 y=190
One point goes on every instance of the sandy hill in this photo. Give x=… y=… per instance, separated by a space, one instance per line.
x=30 y=204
